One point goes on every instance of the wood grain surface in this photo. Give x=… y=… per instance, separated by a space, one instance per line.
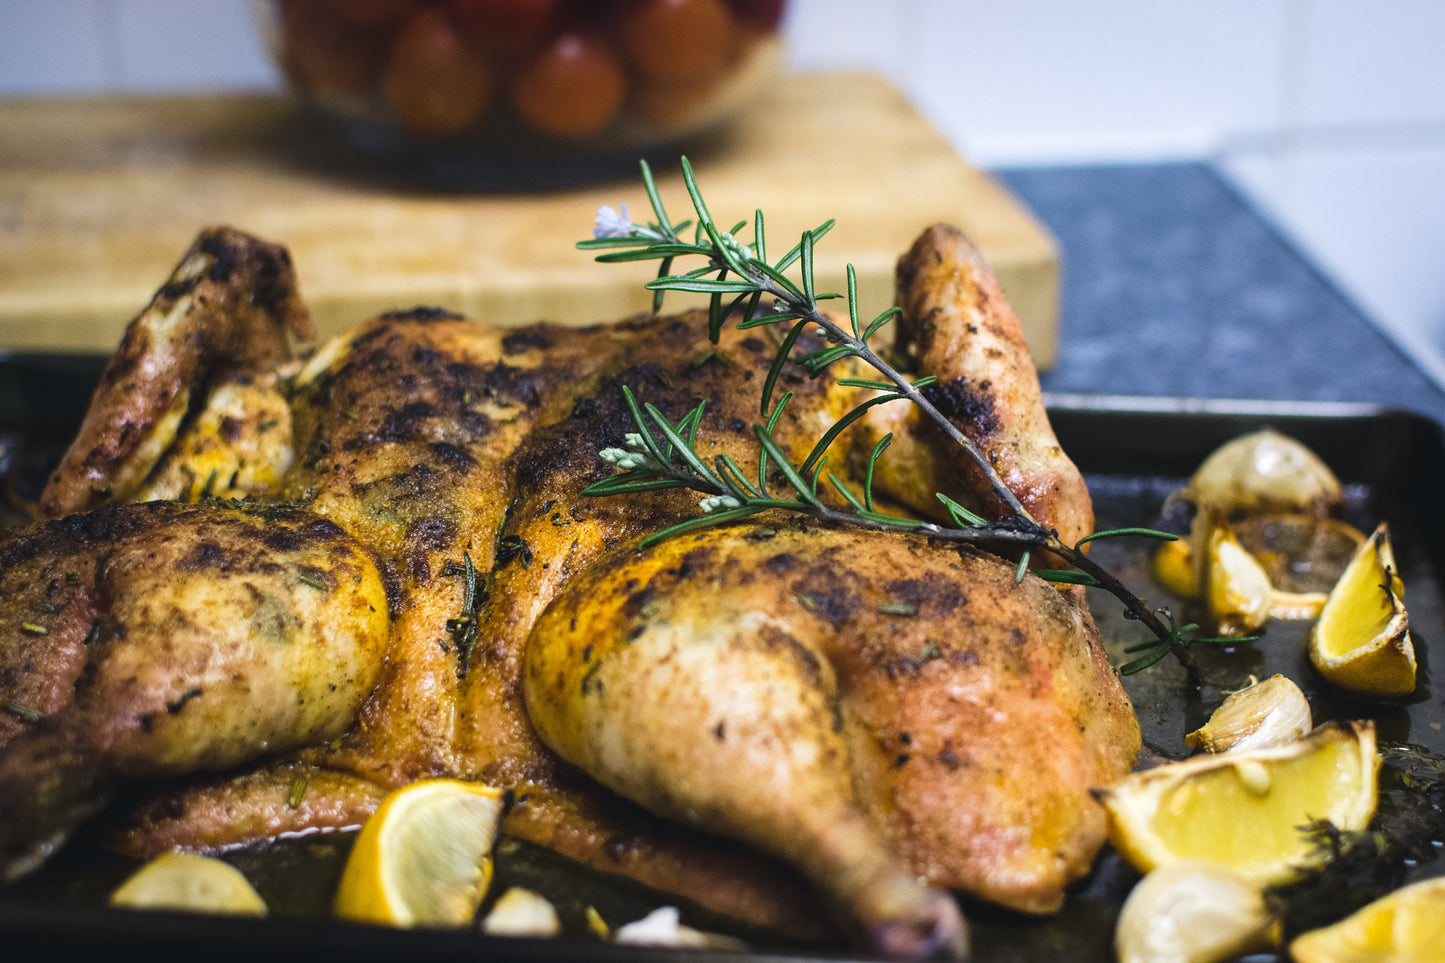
x=100 y=196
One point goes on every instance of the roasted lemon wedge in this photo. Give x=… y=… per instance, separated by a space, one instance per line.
x=1361 y=641
x=189 y=883
x=1303 y=556
x=424 y=857
x=1299 y=557
x=1407 y=926
x=1174 y=568
x=1249 y=810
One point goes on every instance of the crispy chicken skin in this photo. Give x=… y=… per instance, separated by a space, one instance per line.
x=744 y=682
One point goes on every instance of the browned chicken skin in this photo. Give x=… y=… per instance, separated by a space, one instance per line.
x=744 y=682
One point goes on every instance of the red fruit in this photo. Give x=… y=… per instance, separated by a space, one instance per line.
x=759 y=14
x=681 y=40
x=572 y=88
x=504 y=25
x=370 y=13
x=435 y=83
x=325 y=55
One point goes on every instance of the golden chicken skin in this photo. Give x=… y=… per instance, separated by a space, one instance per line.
x=882 y=719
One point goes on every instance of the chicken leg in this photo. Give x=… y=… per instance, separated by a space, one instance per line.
x=692 y=698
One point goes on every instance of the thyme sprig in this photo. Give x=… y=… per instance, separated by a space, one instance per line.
x=741 y=280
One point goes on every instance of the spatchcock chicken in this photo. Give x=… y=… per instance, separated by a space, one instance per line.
x=370 y=563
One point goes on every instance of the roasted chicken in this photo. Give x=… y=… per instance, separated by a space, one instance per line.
x=372 y=565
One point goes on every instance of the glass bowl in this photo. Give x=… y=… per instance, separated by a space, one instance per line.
x=515 y=92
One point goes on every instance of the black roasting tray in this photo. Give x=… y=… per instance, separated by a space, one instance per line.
x=1134 y=451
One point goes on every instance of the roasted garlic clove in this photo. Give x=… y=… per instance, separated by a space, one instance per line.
x=1268 y=713
x=1264 y=471
x=1193 y=913
x=663 y=927
x=1236 y=586
x=522 y=912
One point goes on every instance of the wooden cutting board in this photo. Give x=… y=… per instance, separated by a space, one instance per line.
x=99 y=198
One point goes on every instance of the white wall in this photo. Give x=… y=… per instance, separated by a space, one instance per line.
x=1330 y=113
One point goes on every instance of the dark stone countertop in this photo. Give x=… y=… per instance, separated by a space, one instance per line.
x=1175 y=286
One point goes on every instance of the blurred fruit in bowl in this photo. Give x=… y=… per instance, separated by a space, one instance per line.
x=515 y=85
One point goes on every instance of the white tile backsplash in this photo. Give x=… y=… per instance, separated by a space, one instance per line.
x=164 y=45
x=1028 y=80
x=1374 y=219
x=57 y=46
x=1370 y=64
x=1330 y=113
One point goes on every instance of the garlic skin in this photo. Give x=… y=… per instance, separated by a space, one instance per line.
x=1192 y=912
x=522 y=912
x=1264 y=714
x=1264 y=471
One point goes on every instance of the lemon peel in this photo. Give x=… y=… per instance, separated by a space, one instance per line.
x=1300 y=557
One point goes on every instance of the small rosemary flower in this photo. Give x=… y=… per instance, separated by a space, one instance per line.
x=714 y=502
x=612 y=224
x=626 y=460
x=733 y=244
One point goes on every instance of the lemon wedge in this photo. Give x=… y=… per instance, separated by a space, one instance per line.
x=190 y=883
x=1173 y=565
x=424 y=857
x=1406 y=926
x=1361 y=641
x=1248 y=810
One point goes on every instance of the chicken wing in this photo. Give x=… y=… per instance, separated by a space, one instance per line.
x=164 y=640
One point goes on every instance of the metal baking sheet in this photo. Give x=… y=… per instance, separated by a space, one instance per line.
x=1134 y=451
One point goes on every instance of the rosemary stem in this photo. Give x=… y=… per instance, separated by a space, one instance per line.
x=1133 y=605
x=810 y=313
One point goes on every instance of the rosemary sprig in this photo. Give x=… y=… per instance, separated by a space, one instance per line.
x=739 y=277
